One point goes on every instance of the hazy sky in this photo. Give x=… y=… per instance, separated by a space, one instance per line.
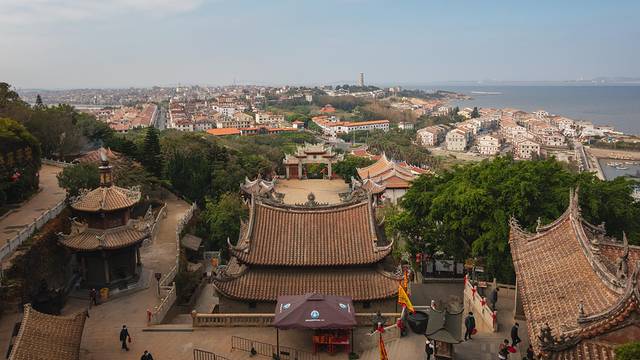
x=117 y=43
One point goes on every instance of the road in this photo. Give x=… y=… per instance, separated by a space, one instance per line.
x=50 y=194
x=161 y=122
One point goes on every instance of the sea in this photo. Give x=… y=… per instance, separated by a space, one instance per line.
x=614 y=105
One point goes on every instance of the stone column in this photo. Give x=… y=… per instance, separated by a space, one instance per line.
x=138 y=259
x=286 y=168
x=329 y=170
x=300 y=170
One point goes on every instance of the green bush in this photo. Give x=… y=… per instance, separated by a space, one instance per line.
x=628 y=351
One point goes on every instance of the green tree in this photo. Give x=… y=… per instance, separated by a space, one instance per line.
x=465 y=212
x=151 y=157
x=39 y=104
x=223 y=220
x=347 y=168
x=475 y=113
x=628 y=351
x=80 y=176
x=19 y=162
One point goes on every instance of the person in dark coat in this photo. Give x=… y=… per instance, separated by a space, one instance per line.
x=428 y=348
x=146 y=356
x=469 y=324
x=503 y=350
x=515 y=339
x=93 y=297
x=494 y=298
x=124 y=336
x=530 y=352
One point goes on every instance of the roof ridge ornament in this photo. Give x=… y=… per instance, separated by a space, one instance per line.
x=622 y=264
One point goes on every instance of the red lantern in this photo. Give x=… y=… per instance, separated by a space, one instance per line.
x=483 y=301
x=494 y=315
x=473 y=292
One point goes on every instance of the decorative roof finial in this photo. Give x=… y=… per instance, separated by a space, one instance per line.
x=580 y=310
x=106 y=178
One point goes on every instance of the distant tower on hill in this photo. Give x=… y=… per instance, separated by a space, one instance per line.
x=361 y=80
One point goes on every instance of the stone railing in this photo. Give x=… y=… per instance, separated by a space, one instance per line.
x=55 y=162
x=27 y=231
x=155 y=227
x=480 y=307
x=256 y=320
x=167 y=285
x=161 y=310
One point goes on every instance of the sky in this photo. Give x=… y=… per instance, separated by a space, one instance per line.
x=123 y=43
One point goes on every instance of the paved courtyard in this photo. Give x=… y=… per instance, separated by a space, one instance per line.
x=49 y=195
x=326 y=191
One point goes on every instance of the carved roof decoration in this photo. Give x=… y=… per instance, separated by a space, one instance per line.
x=575 y=284
x=311 y=152
x=258 y=186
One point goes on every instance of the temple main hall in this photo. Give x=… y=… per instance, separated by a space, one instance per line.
x=312 y=247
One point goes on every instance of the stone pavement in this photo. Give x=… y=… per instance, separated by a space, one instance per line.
x=49 y=195
x=325 y=190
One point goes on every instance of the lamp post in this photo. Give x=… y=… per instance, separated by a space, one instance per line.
x=158 y=276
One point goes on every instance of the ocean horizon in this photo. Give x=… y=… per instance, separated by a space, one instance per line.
x=614 y=105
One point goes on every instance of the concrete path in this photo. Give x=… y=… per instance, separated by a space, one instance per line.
x=50 y=194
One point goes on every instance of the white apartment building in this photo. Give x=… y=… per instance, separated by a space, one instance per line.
x=526 y=149
x=405 y=126
x=431 y=135
x=204 y=125
x=225 y=110
x=554 y=140
x=268 y=118
x=540 y=114
x=488 y=145
x=347 y=127
x=457 y=140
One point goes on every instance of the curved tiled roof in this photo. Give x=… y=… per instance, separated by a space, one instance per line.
x=287 y=235
x=561 y=270
x=360 y=284
x=89 y=239
x=386 y=172
x=106 y=199
x=44 y=336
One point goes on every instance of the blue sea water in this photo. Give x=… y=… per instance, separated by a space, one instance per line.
x=616 y=105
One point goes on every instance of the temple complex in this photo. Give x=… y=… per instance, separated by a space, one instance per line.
x=390 y=179
x=577 y=287
x=310 y=154
x=285 y=249
x=104 y=239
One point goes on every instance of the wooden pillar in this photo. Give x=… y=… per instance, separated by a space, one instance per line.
x=299 y=169
x=107 y=276
x=138 y=259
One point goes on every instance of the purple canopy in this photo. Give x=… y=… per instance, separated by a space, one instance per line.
x=314 y=311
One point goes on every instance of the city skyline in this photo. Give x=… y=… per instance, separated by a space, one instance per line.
x=123 y=43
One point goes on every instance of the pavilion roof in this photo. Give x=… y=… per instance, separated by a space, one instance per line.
x=257 y=186
x=44 y=336
x=311 y=235
x=106 y=198
x=388 y=173
x=83 y=238
x=95 y=156
x=266 y=284
x=569 y=286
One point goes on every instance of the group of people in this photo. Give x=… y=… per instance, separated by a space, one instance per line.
x=125 y=337
x=503 y=350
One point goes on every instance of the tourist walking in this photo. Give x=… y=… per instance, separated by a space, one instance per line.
x=428 y=348
x=146 y=356
x=503 y=351
x=93 y=297
x=124 y=336
x=530 y=352
x=494 y=298
x=515 y=339
x=470 y=325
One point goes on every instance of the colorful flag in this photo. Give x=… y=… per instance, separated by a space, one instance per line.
x=403 y=299
x=383 y=351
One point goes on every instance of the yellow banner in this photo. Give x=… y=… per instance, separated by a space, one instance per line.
x=403 y=299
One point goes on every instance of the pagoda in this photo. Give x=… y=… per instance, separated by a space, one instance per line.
x=577 y=288
x=104 y=238
x=331 y=249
